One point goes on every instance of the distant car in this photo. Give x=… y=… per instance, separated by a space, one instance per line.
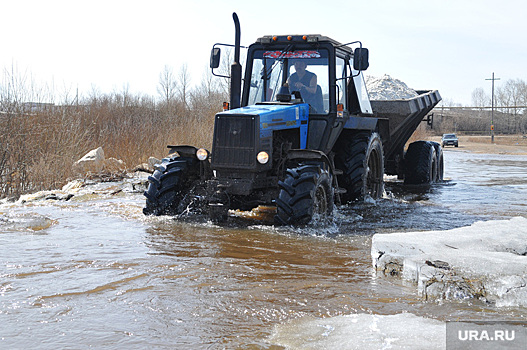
x=449 y=140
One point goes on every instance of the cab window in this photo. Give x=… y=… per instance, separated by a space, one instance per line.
x=272 y=68
x=342 y=73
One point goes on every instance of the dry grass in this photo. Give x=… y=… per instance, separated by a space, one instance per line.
x=38 y=148
x=509 y=140
x=503 y=144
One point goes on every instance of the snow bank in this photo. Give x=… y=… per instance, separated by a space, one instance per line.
x=362 y=331
x=387 y=88
x=487 y=260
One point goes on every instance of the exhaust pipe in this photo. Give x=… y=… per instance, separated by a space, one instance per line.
x=236 y=68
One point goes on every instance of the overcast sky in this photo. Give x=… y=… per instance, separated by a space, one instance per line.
x=112 y=45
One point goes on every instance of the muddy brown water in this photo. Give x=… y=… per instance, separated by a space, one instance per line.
x=94 y=272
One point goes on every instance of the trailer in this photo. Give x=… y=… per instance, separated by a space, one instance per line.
x=404 y=116
x=298 y=135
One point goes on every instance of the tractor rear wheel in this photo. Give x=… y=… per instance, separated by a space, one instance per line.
x=305 y=193
x=169 y=185
x=420 y=163
x=361 y=160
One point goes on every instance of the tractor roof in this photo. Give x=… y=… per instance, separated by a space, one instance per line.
x=301 y=38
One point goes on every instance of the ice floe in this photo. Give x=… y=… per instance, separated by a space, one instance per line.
x=361 y=331
x=487 y=260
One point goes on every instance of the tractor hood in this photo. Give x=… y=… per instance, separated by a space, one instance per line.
x=274 y=116
x=241 y=133
x=272 y=109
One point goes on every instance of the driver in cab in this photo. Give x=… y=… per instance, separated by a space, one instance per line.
x=303 y=81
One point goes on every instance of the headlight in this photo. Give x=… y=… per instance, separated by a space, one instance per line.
x=202 y=154
x=262 y=157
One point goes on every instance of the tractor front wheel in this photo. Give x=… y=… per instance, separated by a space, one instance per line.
x=306 y=193
x=169 y=185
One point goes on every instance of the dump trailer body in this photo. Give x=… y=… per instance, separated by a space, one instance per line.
x=404 y=118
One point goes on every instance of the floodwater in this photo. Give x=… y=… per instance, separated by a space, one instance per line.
x=93 y=272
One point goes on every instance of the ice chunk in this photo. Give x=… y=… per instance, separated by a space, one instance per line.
x=487 y=260
x=362 y=331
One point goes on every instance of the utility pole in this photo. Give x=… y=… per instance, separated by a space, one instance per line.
x=492 y=109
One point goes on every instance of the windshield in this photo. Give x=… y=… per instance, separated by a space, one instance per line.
x=449 y=136
x=304 y=70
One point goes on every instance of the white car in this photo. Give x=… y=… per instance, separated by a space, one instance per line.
x=449 y=140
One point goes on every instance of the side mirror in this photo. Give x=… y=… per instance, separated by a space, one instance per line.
x=215 y=57
x=360 y=59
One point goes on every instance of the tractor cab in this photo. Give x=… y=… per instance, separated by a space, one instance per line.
x=274 y=73
x=315 y=69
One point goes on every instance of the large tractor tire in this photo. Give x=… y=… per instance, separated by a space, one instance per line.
x=420 y=163
x=305 y=193
x=361 y=160
x=440 y=162
x=169 y=185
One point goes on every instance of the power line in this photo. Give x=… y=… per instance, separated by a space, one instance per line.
x=492 y=103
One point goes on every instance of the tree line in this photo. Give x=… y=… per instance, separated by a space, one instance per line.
x=513 y=93
x=509 y=117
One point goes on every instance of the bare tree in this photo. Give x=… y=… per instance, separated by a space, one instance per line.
x=480 y=98
x=513 y=93
x=167 y=84
x=510 y=96
x=523 y=95
x=183 y=86
x=208 y=97
x=448 y=102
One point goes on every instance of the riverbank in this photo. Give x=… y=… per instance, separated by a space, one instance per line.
x=513 y=144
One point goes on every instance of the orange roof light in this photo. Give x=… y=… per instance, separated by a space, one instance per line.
x=340 y=110
x=289 y=37
x=304 y=37
x=275 y=38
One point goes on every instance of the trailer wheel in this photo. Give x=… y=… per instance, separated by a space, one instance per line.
x=440 y=162
x=420 y=163
x=305 y=193
x=169 y=184
x=361 y=160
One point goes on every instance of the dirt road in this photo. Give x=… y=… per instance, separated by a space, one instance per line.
x=515 y=144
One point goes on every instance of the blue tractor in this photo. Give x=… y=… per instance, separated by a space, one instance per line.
x=299 y=136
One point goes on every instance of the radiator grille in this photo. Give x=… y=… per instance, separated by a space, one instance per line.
x=234 y=142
